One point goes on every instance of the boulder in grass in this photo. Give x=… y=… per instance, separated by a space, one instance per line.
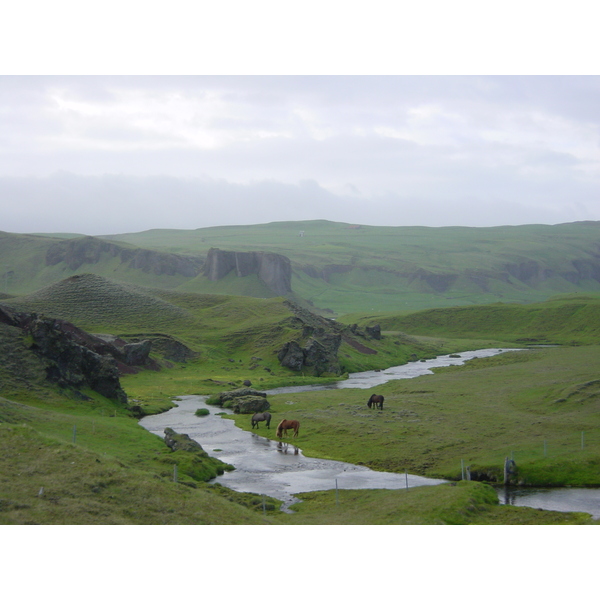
x=248 y=405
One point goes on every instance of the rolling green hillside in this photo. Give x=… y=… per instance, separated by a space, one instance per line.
x=344 y=267
x=222 y=330
x=335 y=267
x=570 y=320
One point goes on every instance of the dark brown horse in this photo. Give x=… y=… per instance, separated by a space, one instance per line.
x=285 y=425
x=264 y=416
x=376 y=400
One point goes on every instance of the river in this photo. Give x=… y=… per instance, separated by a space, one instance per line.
x=280 y=470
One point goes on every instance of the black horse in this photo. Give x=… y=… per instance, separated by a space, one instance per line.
x=376 y=400
x=265 y=416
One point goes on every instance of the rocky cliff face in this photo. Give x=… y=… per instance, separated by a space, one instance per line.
x=274 y=270
x=90 y=250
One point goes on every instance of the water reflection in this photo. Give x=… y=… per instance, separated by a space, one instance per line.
x=284 y=447
x=560 y=499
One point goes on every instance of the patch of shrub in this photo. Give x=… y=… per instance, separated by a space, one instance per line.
x=202 y=412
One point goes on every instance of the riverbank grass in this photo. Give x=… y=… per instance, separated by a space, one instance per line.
x=462 y=503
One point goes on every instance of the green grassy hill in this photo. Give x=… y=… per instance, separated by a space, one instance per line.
x=228 y=333
x=573 y=319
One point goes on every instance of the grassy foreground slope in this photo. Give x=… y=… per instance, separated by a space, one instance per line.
x=48 y=481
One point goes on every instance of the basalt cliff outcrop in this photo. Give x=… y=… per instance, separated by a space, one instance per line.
x=76 y=252
x=274 y=270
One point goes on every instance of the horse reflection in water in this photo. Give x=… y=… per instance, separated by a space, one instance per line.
x=285 y=448
x=282 y=428
x=264 y=416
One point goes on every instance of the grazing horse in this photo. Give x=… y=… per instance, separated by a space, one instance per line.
x=376 y=400
x=285 y=425
x=265 y=416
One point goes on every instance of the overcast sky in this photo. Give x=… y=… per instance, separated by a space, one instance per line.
x=102 y=154
x=99 y=155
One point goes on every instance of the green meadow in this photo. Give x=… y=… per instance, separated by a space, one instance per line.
x=533 y=405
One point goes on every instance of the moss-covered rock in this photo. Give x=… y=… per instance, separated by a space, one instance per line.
x=191 y=459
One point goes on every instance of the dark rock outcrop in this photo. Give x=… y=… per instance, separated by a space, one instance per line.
x=248 y=405
x=72 y=358
x=137 y=354
x=165 y=345
x=318 y=342
x=374 y=331
x=320 y=355
x=291 y=356
x=274 y=270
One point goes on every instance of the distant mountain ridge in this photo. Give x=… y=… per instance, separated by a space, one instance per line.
x=335 y=267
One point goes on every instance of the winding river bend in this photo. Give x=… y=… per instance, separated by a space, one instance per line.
x=280 y=470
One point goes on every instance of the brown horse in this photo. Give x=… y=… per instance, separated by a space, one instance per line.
x=285 y=425
x=376 y=400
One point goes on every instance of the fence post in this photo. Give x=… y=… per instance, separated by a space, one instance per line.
x=509 y=469
x=336 y=492
x=74 y=433
x=175 y=473
x=406 y=476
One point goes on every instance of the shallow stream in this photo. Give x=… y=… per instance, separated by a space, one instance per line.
x=263 y=466
x=280 y=470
